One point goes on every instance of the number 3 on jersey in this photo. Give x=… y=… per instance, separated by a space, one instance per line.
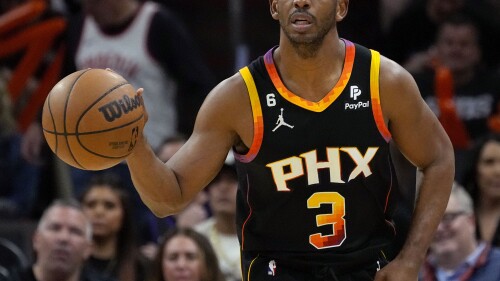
x=335 y=218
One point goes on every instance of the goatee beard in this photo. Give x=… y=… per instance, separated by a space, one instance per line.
x=306 y=50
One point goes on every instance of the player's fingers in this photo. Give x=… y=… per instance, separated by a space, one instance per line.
x=139 y=93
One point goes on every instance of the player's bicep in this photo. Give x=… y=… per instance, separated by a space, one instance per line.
x=200 y=159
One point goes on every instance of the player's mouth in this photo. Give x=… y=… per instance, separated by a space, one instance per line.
x=301 y=21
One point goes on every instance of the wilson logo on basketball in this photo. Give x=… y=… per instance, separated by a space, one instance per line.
x=117 y=108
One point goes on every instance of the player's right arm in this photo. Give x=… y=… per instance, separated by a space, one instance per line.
x=166 y=188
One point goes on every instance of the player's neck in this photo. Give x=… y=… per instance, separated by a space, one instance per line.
x=314 y=77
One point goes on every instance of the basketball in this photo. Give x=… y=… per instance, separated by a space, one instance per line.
x=91 y=119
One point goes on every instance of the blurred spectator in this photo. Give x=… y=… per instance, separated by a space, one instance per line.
x=151 y=48
x=67 y=7
x=12 y=258
x=220 y=229
x=186 y=255
x=238 y=31
x=455 y=253
x=456 y=86
x=18 y=178
x=115 y=255
x=363 y=23
x=30 y=60
x=170 y=146
x=413 y=32
x=62 y=242
x=486 y=12
x=390 y=10
x=482 y=180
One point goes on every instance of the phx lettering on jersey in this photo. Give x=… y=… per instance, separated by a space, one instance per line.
x=115 y=109
x=293 y=167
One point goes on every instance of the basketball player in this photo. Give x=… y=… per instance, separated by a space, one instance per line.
x=315 y=198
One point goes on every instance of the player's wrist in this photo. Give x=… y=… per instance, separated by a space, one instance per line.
x=411 y=260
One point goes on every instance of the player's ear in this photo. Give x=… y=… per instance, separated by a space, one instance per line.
x=342 y=7
x=273 y=8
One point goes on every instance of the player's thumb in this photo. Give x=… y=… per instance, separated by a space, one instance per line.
x=139 y=93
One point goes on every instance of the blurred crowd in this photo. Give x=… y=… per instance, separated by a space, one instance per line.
x=92 y=225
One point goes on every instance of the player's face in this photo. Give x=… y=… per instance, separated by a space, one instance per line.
x=307 y=22
x=488 y=171
x=182 y=260
x=455 y=233
x=62 y=241
x=103 y=207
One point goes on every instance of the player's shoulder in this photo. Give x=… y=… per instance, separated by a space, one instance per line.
x=230 y=89
x=392 y=72
x=399 y=93
x=395 y=80
x=227 y=108
x=227 y=100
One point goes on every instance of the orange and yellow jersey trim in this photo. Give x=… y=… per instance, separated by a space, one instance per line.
x=375 y=96
x=321 y=105
x=258 y=122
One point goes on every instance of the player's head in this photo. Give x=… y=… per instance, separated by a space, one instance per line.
x=305 y=23
x=62 y=240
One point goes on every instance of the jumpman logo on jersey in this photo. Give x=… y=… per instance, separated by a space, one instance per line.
x=271 y=270
x=281 y=122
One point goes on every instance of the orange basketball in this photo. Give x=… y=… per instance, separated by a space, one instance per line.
x=91 y=119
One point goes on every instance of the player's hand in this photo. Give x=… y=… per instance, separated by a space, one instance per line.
x=398 y=270
x=139 y=92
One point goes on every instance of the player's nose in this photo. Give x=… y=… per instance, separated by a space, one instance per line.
x=301 y=3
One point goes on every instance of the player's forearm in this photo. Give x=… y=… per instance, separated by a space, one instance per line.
x=431 y=203
x=154 y=181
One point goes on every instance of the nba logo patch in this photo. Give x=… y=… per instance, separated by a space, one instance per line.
x=271 y=268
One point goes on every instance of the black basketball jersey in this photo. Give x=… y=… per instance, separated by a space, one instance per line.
x=318 y=177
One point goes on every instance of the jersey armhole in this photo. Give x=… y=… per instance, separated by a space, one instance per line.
x=258 y=123
x=375 y=96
